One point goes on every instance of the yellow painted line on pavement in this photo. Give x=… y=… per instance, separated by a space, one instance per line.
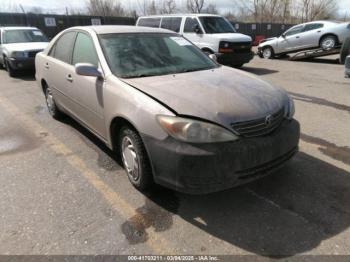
x=157 y=243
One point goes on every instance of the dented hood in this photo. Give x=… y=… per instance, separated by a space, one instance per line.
x=221 y=95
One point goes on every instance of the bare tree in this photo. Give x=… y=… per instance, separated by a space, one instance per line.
x=151 y=8
x=168 y=7
x=8 y=6
x=36 y=10
x=195 y=6
x=283 y=11
x=211 y=9
x=105 y=8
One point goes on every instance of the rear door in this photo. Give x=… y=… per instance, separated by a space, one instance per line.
x=88 y=91
x=58 y=70
x=311 y=35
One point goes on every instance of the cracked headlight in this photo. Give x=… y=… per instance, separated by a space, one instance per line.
x=194 y=131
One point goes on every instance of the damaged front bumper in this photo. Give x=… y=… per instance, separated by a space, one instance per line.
x=206 y=168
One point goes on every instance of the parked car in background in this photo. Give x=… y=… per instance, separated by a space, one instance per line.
x=174 y=116
x=213 y=34
x=347 y=66
x=18 y=47
x=320 y=34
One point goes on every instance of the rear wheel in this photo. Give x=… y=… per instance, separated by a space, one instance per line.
x=51 y=105
x=328 y=42
x=135 y=159
x=268 y=53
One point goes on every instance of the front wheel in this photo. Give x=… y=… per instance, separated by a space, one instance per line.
x=135 y=159
x=328 y=42
x=268 y=53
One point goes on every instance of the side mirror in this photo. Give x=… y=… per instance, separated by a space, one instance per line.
x=85 y=69
x=283 y=35
x=213 y=57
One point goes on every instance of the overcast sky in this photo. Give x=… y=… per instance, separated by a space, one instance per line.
x=58 y=6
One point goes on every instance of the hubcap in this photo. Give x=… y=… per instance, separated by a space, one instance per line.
x=328 y=44
x=49 y=100
x=130 y=159
x=267 y=53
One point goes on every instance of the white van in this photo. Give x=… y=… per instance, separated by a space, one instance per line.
x=212 y=33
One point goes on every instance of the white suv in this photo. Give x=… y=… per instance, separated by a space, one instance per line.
x=212 y=33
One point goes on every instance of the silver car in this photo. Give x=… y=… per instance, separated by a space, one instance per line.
x=321 y=34
x=174 y=116
x=18 y=47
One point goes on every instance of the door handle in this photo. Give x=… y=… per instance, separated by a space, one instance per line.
x=47 y=66
x=69 y=78
x=319 y=31
x=297 y=37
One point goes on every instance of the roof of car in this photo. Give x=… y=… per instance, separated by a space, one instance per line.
x=112 y=29
x=17 y=27
x=176 y=15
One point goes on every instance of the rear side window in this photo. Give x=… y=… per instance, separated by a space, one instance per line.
x=84 y=50
x=149 y=22
x=311 y=27
x=190 y=25
x=63 y=47
x=172 y=23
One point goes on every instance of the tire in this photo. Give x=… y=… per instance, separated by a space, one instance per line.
x=268 y=52
x=328 y=42
x=12 y=72
x=51 y=105
x=345 y=50
x=135 y=159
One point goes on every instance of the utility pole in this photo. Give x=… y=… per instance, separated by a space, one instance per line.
x=25 y=14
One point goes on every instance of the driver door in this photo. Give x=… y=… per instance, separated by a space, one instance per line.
x=193 y=31
x=291 y=40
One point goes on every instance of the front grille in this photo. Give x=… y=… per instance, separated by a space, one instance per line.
x=237 y=47
x=33 y=53
x=259 y=127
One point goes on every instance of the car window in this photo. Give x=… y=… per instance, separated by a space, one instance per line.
x=216 y=25
x=294 y=30
x=172 y=23
x=84 y=50
x=64 y=46
x=149 y=22
x=23 y=36
x=310 y=27
x=148 y=54
x=191 y=24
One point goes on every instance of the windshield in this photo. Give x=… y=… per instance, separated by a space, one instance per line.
x=216 y=25
x=148 y=54
x=24 y=36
